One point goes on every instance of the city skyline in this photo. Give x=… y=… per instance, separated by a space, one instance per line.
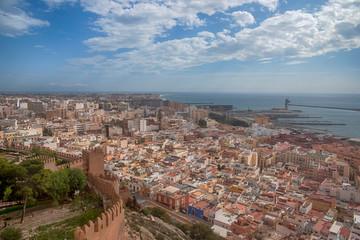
x=180 y=46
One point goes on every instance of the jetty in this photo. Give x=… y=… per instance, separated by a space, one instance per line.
x=336 y=108
x=312 y=122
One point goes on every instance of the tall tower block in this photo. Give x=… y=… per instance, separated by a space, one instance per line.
x=94 y=157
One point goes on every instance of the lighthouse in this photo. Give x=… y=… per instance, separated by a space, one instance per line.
x=287 y=101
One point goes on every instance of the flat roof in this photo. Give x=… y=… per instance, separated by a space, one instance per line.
x=336 y=227
x=171 y=189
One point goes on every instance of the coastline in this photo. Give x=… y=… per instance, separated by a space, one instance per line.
x=260 y=101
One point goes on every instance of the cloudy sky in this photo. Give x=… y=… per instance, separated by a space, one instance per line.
x=180 y=45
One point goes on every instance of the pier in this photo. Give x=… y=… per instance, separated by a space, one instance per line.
x=336 y=108
x=219 y=108
x=197 y=103
x=291 y=116
x=310 y=122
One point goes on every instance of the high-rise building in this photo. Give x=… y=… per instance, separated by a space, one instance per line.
x=37 y=107
x=143 y=125
x=197 y=114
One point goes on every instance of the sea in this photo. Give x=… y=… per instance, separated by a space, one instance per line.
x=257 y=101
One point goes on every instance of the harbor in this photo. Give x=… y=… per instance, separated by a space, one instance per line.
x=311 y=122
x=281 y=116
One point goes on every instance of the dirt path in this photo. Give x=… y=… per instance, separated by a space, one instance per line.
x=38 y=217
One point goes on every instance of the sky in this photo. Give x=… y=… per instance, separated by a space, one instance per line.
x=262 y=46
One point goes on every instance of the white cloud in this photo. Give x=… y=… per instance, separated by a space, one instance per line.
x=270 y=4
x=293 y=34
x=14 y=21
x=206 y=34
x=134 y=24
x=295 y=62
x=264 y=59
x=74 y=85
x=55 y=3
x=243 y=18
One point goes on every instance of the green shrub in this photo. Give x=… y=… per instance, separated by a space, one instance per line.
x=65 y=229
x=11 y=234
x=145 y=211
x=160 y=236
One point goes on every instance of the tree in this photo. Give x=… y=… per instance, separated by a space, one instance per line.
x=77 y=180
x=11 y=234
x=33 y=166
x=10 y=174
x=26 y=193
x=86 y=202
x=18 y=181
x=27 y=189
x=145 y=211
x=134 y=201
x=240 y=123
x=59 y=185
x=160 y=213
x=202 y=123
x=65 y=182
x=37 y=151
x=47 y=132
x=40 y=183
x=15 y=179
x=8 y=192
x=186 y=228
x=200 y=231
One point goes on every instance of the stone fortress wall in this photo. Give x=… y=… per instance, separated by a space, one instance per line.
x=110 y=224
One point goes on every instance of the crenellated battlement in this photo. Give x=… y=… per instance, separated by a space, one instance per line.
x=80 y=164
x=107 y=226
x=106 y=185
x=46 y=159
x=111 y=223
x=91 y=160
x=94 y=158
x=93 y=150
x=111 y=177
x=68 y=156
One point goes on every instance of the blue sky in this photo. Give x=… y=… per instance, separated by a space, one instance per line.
x=180 y=45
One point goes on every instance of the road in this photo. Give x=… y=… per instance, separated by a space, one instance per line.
x=178 y=216
x=172 y=214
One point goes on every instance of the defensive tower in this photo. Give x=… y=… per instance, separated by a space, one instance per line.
x=94 y=157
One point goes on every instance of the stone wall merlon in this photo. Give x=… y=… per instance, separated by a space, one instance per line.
x=103 y=226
